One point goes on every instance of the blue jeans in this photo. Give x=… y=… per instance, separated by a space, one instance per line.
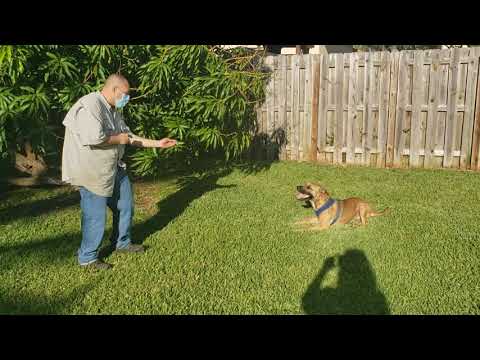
x=94 y=215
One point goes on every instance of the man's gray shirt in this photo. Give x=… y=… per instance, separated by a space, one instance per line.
x=85 y=162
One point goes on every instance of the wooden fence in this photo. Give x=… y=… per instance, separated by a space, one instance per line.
x=398 y=109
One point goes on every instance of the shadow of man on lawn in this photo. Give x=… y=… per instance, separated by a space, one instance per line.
x=191 y=188
x=356 y=292
x=203 y=179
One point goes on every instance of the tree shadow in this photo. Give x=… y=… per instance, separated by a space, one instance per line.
x=267 y=147
x=41 y=253
x=27 y=303
x=191 y=187
x=202 y=177
x=356 y=292
x=38 y=207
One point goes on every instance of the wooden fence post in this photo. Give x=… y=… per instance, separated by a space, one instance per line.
x=315 y=101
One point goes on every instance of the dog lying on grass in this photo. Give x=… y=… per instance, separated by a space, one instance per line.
x=329 y=211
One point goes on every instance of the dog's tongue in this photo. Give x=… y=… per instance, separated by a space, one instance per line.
x=301 y=196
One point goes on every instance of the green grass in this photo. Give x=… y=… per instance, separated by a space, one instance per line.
x=225 y=244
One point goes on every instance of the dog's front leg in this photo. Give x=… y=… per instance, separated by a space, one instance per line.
x=319 y=227
x=322 y=223
x=310 y=220
x=306 y=224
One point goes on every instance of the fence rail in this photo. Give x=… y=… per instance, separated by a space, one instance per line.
x=384 y=109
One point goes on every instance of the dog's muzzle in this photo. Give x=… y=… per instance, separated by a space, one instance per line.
x=302 y=194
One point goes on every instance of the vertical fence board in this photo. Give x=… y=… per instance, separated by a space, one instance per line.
x=315 y=106
x=352 y=108
x=392 y=106
x=307 y=108
x=323 y=102
x=451 y=109
x=338 y=139
x=467 y=134
x=432 y=116
x=476 y=126
x=383 y=108
x=282 y=104
x=418 y=86
x=400 y=110
x=294 y=105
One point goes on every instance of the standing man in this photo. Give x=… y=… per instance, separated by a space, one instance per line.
x=94 y=144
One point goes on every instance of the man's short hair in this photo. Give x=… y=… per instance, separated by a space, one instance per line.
x=115 y=79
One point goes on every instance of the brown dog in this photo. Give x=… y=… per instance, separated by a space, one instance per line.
x=329 y=211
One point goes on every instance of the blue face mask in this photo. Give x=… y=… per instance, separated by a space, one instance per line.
x=120 y=103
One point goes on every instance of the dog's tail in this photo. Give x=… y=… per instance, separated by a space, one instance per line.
x=379 y=213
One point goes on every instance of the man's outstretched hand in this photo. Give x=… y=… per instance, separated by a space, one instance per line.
x=167 y=143
x=151 y=143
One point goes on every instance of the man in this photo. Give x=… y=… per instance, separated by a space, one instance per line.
x=94 y=144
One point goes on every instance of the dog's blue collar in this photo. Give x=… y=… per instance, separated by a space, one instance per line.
x=325 y=206
x=330 y=202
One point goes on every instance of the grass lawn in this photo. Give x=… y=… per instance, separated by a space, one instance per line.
x=225 y=244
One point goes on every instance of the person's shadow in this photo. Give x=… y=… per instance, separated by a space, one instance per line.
x=191 y=187
x=168 y=209
x=356 y=292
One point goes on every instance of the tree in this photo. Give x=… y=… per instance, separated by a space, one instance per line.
x=204 y=96
x=402 y=47
x=394 y=47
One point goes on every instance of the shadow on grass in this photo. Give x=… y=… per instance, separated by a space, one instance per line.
x=41 y=253
x=28 y=303
x=39 y=207
x=356 y=292
x=191 y=187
